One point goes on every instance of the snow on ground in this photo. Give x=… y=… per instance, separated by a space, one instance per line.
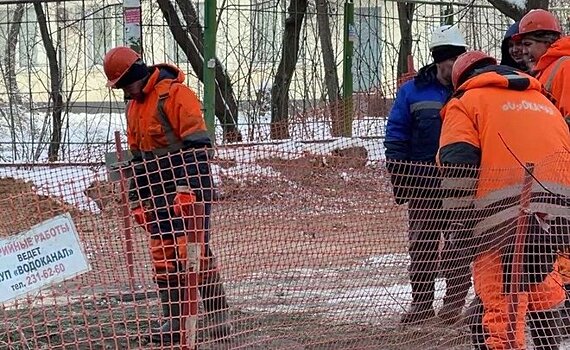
x=376 y=291
x=521 y=4
x=88 y=136
x=68 y=183
x=291 y=149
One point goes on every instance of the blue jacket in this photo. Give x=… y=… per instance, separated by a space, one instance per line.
x=412 y=136
x=414 y=123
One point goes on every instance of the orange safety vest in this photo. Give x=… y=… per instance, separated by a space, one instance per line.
x=169 y=115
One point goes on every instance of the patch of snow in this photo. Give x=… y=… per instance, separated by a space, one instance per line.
x=251 y=172
x=378 y=286
x=521 y=4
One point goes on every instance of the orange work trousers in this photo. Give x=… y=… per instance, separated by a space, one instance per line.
x=564 y=264
x=169 y=257
x=489 y=286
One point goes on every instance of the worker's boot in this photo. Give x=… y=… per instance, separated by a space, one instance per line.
x=455 y=295
x=421 y=310
x=169 y=331
x=474 y=318
x=213 y=296
x=417 y=314
x=545 y=329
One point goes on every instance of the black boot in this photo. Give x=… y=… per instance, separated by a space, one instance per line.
x=455 y=295
x=565 y=314
x=169 y=331
x=417 y=314
x=474 y=318
x=545 y=329
x=421 y=309
x=216 y=306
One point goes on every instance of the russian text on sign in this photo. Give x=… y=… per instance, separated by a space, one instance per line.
x=48 y=253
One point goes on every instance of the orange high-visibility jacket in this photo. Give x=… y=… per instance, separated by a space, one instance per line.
x=169 y=116
x=497 y=119
x=553 y=71
x=169 y=141
x=493 y=112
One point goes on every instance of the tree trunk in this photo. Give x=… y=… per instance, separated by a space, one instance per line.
x=10 y=55
x=9 y=73
x=405 y=18
x=225 y=104
x=331 y=76
x=56 y=97
x=508 y=8
x=282 y=81
x=226 y=107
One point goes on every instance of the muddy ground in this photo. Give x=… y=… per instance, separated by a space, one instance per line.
x=297 y=253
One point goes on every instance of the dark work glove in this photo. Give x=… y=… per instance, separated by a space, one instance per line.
x=399 y=178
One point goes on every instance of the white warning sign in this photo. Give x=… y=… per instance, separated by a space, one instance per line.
x=48 y=253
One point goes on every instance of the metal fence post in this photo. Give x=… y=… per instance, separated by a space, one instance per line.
x=348 y=43
x=210 y=66
x=127 y=224
x=518 y=254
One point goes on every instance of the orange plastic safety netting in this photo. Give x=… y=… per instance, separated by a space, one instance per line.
x=312 y=252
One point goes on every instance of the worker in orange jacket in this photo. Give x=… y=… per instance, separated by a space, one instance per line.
x=486 y=129
x=171 y=148
x=547 y=54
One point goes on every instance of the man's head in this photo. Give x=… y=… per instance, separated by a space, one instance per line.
x=126 y=70
x=516 y=51
x=466 y=65
x=538 y=29
x=445 y=45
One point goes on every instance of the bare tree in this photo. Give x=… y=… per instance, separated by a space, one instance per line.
x=290 y=54
x=10 y=54
x=508 y=8
x=56 y=97
x=405 y=18
x=331 y=76
x=226 y=105
x=193 y=47
x=9 y=72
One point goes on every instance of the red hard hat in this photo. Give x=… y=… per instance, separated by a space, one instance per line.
x=117 y=62
x=466 y=62
x=538 y=20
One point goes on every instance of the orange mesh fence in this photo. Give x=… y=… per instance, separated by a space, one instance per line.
x=307 y=250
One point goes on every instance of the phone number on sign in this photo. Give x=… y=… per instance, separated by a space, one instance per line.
x=45 y=274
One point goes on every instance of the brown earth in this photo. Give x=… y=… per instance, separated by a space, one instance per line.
x=315 y=215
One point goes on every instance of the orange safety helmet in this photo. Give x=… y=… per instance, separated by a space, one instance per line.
x=117 y=62
x=538 y=20
x=467 y=61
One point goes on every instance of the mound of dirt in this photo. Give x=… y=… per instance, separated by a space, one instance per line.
x=105 y=194
x=21 y=207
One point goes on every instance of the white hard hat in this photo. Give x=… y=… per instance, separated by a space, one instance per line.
x=447 y=35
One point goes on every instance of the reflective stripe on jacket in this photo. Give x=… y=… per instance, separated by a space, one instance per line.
x=168 y=118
